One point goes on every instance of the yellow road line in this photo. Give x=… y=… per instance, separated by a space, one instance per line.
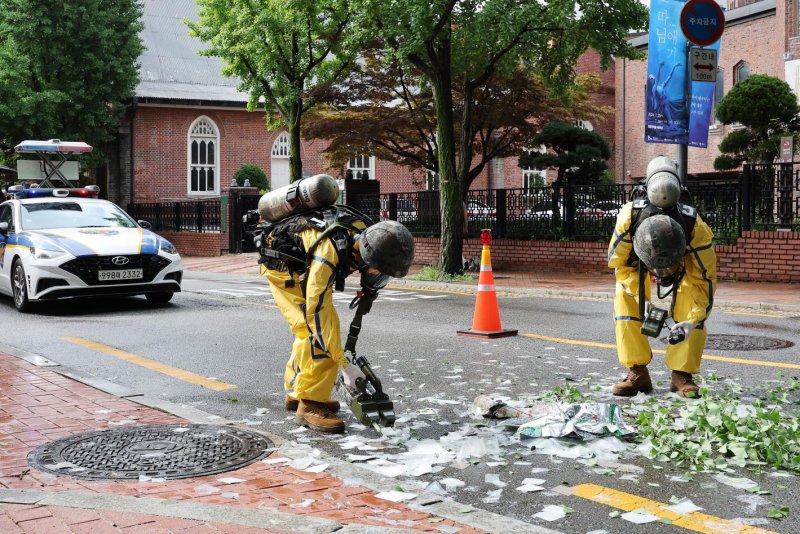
x=417 y=289
x=728 y=359
x=696 y=521
x=153 y=365
x=756 y=314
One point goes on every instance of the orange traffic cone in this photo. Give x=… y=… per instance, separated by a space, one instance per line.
x=486 y=320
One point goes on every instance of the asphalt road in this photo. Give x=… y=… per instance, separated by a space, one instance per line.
x=226 y=330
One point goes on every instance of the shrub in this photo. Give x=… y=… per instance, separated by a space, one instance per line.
x=253 y=173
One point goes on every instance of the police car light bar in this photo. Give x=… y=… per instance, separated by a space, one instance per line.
x=19 y=191
x=53 y=145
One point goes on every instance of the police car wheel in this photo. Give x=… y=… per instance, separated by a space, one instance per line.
x=159 y=298
x=19 y=288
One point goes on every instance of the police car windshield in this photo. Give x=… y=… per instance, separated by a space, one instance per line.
x=64 y=214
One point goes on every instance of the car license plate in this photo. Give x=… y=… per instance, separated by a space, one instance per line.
x=120 y=274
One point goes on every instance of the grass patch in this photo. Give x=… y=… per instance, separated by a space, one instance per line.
x=429 y=272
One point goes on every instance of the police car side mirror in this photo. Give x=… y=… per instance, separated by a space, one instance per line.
x=4 y=228
x=144 y=224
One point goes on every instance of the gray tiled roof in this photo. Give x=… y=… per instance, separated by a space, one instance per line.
x=171 y=67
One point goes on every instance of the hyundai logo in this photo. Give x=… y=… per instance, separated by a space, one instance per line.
x=120 y=260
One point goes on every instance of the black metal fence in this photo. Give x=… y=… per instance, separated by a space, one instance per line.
x=763 y=197
x=179 y=216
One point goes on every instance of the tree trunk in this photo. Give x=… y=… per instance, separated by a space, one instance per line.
x=295 y=163
x=452 y=217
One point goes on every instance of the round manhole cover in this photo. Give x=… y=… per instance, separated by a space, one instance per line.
x=736 y=342
x=744 y=343
x=158 y=451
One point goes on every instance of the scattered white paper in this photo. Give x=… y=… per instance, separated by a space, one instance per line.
x=493 y=479
x=205 y=489
x=551 y=512
x=639 y=518
x=231 y=480
x=270 y=461
x=231 y=495
x=683 y=507
x=396 y=496
x=317 y=468
x=451 y=483
x=529 y=488
x=741 y=483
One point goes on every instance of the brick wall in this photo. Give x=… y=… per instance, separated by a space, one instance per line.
x=194 y=243
x=761 y=256
x=759 y=42
x=758 y=256
x=161 y=133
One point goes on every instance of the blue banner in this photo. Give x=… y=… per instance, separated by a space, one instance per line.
x=666 y=119
x=701 y=102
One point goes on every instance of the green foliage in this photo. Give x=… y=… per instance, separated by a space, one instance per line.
x=717 y=432
x=581 y=156
x=429 y=272
x=282 y=50
x=67 y=68
x=461 y=45
x=767 y=109
x=254 y=174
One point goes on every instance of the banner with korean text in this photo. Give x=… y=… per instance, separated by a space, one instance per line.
x=666 y=117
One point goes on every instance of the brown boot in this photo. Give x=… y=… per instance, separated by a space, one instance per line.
x=638 y=380
x=683 y=385
x=316 y=415
x=291 y=404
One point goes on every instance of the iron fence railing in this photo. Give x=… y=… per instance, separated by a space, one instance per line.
x=181 y=216
x=765 y=197
x=771 y=197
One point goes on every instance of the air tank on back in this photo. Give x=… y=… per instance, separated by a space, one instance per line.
x=315 y=191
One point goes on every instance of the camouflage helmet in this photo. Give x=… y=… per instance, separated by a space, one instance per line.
x=660 y=244
x=389 y=247
x=663 y=185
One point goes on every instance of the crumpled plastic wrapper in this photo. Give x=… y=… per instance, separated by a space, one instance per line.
x=553 y=420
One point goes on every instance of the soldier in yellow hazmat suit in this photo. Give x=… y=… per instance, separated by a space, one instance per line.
x=686 y=262
x=381 y=250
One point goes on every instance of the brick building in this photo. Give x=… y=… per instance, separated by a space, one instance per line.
x=188 y=130
x=761 y=37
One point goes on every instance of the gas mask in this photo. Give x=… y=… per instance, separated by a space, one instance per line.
x=372 y=280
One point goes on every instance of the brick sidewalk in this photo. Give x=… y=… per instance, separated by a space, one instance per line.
x=38 y=405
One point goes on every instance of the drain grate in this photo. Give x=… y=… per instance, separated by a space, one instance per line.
x=163 y=451
x=736 y=342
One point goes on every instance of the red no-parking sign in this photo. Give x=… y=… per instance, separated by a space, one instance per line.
x=702 y=22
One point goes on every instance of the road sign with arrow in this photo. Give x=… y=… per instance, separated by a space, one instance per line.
x=703 y=64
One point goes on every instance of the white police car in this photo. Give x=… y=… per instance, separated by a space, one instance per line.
x=58 y=243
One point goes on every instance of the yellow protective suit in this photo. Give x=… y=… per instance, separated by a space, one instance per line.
x=317 y=352
x=693 y=299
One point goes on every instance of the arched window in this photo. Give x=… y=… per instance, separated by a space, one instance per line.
x=280 y=149
x=361 y=167
x=279 y=164
x=533 y=178
x=741 y=71
x=203 y=158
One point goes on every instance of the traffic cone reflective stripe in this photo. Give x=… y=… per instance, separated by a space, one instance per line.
x=486 y=319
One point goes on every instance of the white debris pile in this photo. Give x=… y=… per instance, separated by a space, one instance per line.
x=549 y=419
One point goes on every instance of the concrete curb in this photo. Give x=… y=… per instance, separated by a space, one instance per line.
x=477 y=518
x=519 y=292
x=258 y=518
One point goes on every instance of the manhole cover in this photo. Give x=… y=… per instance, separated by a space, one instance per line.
x=164 y=451
x=735 y=342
